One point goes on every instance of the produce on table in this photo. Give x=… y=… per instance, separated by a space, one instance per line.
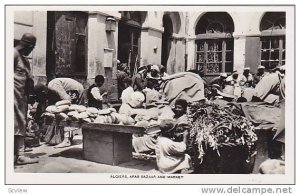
x=63 y=102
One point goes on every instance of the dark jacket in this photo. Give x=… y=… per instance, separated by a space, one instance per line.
x=92 y=102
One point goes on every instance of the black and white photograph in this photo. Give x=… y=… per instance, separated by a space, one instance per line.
x=150 y=94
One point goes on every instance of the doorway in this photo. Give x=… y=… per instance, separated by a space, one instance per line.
x=166 y=39
x=66 y=44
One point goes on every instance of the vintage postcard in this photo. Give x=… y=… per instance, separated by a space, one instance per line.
x=150 y=94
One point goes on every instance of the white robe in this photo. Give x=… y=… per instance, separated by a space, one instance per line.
x=171 y=156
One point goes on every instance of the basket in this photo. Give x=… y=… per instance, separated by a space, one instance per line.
x=225 y=160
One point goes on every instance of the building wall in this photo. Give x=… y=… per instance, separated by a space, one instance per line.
x=245 y=24
x=100 y=42
x=151 y=46
x=34 y=22
x=102 y=52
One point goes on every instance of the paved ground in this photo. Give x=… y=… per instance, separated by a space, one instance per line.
x=69 y=160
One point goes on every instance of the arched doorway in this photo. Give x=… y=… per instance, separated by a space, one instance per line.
x=166 y=39
x=129 y=38
x=214 y=43
x=272 y=40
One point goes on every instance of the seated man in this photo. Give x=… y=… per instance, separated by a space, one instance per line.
x=170 y=149
x=235 y=79
x=94 y=94
x=268 y=88
x=247 y=77
x=259 y=75
x=220 y=80
x=147 y=143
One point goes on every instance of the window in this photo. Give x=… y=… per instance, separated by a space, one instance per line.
x=214 y=56
x=272 y=50
x=214 y=43
x=272 y=41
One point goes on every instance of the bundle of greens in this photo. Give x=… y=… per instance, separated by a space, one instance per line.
x=214 y=127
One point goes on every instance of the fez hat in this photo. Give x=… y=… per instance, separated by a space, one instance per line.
x=28 y=39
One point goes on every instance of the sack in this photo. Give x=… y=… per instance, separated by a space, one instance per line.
x=54 y=135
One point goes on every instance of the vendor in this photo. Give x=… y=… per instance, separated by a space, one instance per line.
x=65 y=89
x=61 y=89
x=268 y=89
x=171 y=155
x=259 y=75
x=147 y=143
x=95 y=94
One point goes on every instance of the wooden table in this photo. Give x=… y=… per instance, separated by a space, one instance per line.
x=107 y=143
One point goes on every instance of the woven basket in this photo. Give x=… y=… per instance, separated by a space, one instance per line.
x=232 y=160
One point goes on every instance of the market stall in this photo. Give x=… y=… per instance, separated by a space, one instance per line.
x=106 y=143
x=107 y=135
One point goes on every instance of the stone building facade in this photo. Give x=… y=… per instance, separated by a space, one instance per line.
x=82 y=44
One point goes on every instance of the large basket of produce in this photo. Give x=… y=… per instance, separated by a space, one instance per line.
x=221 y=140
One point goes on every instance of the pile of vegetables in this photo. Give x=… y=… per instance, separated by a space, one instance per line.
x=214 y=128
x=65 y=111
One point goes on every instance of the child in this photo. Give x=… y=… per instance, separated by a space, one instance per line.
x=95 y=98
x=170 y=149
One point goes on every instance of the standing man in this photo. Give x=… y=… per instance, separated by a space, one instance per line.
x=23 y=83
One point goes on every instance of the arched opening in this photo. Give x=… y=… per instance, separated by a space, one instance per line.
x=272 y=41
x=166 y=39
x=214 y=43
x=129 y=38
x=273 y=21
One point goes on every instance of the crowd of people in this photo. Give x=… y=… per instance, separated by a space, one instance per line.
x=137 y=92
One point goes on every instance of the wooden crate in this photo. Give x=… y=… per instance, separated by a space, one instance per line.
x=108 y=143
